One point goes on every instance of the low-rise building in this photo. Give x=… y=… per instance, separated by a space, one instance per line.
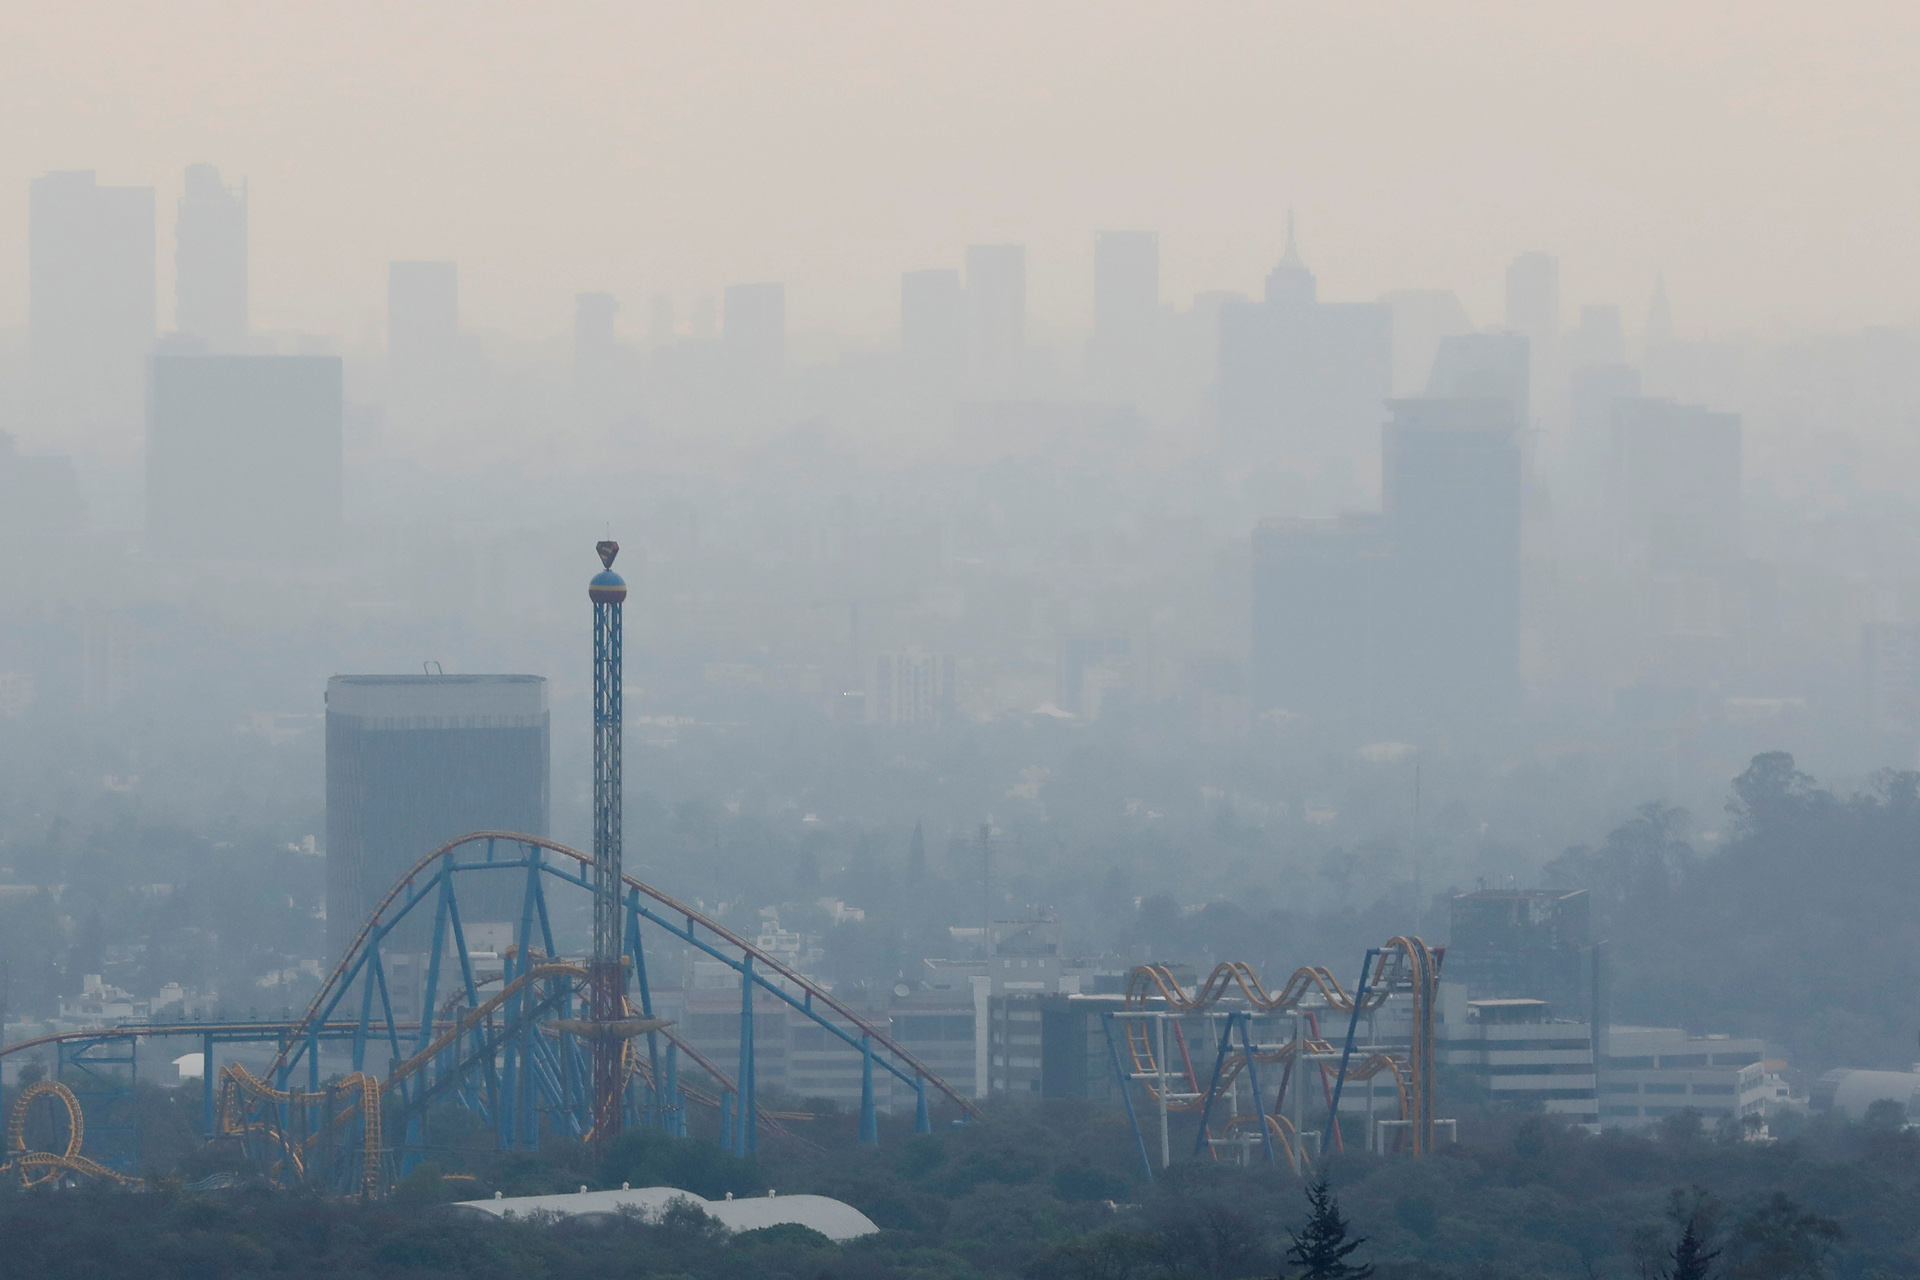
x=1520 y=1054
x=1649 y=1073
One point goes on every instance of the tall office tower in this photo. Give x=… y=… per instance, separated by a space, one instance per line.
x=1421 y=319
x=1126 y=313
x=1533 y=310
x=1528 y=944
x=913 y=688
x=1581 y=492
x=90 y=287
x=1890 y=671
x=997 y=319
x=1483 y=366
x=245 y=456
x=933 y=331
x=1599 y=339
x=660 y=321
x=1452 y=501
x=423 y=334
x=1322 y=614
x=753 y=329
x=1290 y=284
x=210 y=261
x=1675 y=484
x=605 y=373
x=39 y=497
x=593 y=335
x=1299 y=378
x=416 y=761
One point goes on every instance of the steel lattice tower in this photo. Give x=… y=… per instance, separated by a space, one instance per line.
x=607 y=969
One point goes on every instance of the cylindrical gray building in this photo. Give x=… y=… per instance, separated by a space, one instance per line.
x=414 y=761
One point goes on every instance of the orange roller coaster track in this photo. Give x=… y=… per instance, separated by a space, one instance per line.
x=1157 y=1003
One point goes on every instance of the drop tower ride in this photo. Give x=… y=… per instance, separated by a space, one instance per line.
x=607 y=969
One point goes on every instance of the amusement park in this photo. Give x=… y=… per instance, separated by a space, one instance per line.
x=424 y=1028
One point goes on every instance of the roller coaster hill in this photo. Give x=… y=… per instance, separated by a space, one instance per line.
x=512 y=1047
x=1229 y=1067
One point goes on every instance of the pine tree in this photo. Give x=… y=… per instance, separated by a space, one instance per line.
x=1698 y=1213
x=1321 y=1247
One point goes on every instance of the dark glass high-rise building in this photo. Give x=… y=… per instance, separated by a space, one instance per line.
x=415 y=761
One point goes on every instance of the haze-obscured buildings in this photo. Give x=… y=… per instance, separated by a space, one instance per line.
x=90 y=303
x=245 y=457
x=210 y=261
x=1302 y=379
x=996 y=298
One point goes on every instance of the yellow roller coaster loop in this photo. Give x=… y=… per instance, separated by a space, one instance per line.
x=360 y=1090
x=37 y=1168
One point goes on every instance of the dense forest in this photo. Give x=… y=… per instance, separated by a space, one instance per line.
x=1050 y=1193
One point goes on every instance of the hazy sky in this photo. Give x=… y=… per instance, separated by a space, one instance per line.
x=1762 y=154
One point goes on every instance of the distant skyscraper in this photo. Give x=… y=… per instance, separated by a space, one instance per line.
x=605 y=372
x=1533 y=310
x=997 y=318
x=593 y=334
x=913 y=688
x=210 y=261
x=1302 y=378
x=1483 y=366
x=1580 y=494
x=1452 y=499
x=933 y=330
x=754 y=328
x=1675 y=483
x=1522 y=944
x=39 y=496
x=90 y=290
x=1323 y=602
x=1126 y=312
x=423 y=316
x=1421 y=318
x=415 y=761
x=1598 y=339
x=244 y=456
x=1290 y=284
x=660 y=321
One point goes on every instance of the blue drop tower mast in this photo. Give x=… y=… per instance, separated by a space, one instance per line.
x=607 y=968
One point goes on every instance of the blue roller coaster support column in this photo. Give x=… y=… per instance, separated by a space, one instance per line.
x=1353 y=1026
x=743 y=1131
x=869 y=1120
x=922 y=1121
x=1213 y=1088
x=1253 y=1074
x=607 y=974
x=1125 y=1084
x=726 y=1119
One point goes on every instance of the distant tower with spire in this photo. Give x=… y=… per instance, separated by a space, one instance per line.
x=1659 y=315
x=1290 y=283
